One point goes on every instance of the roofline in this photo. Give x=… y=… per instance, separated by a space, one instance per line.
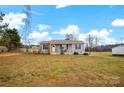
x=118 y=46
x=51 y=41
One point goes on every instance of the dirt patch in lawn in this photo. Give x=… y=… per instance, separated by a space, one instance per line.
x=9 y=54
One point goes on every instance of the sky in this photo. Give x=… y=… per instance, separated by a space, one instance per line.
x=50 y=22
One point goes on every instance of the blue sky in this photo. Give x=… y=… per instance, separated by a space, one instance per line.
x=105 y=22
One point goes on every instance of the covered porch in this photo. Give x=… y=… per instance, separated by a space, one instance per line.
x=61 y=49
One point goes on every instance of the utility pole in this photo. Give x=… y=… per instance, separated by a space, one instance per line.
x=27 y=27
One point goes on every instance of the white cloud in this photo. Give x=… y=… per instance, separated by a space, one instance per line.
x=108 y=40
x=61 y=6
x=36 y=13
x=43 y=27
x=82 y=37
x=37 y=36
x=110 y=30
x=15 y=20
x=118 y=22
x=103 y=35
x=70 y=29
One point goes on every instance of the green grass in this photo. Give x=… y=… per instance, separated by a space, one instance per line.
x=98 y=69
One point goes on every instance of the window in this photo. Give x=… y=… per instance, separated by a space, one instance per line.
x=78 y=46
x=63 y=47
x=45 y=46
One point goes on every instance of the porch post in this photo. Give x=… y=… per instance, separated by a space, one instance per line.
x=50 y=48
x=60 y=48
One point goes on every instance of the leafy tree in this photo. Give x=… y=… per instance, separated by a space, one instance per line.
x=2 y=28
x=8 y=37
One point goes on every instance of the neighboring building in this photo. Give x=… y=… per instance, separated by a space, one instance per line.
x=3 y=49
x=62 y=47
x=118 y=50
x=30 y=49
x=34 y=49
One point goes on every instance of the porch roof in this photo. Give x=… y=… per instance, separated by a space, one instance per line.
x=62 y=42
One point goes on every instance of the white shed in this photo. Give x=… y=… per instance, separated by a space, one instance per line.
x=119 y=50
x=3 y=49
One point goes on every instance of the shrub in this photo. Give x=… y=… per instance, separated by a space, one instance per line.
x=2 y=50
x=76 y=53
x=62 y=53
x=85 y=54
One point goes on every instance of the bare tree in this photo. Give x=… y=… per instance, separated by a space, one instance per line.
x=90 y=40
x=97 y=39
x=70 y=37
x=121 y=39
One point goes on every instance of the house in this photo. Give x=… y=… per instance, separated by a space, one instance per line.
x=118 y=50
x=62 y=47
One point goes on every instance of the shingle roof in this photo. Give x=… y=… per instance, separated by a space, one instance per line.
x=62 y=42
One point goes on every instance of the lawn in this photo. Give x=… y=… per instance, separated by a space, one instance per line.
x=98 y=69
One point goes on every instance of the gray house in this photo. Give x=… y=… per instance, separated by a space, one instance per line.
x=62 y=47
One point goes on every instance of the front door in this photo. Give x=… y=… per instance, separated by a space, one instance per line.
x=53 y=48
